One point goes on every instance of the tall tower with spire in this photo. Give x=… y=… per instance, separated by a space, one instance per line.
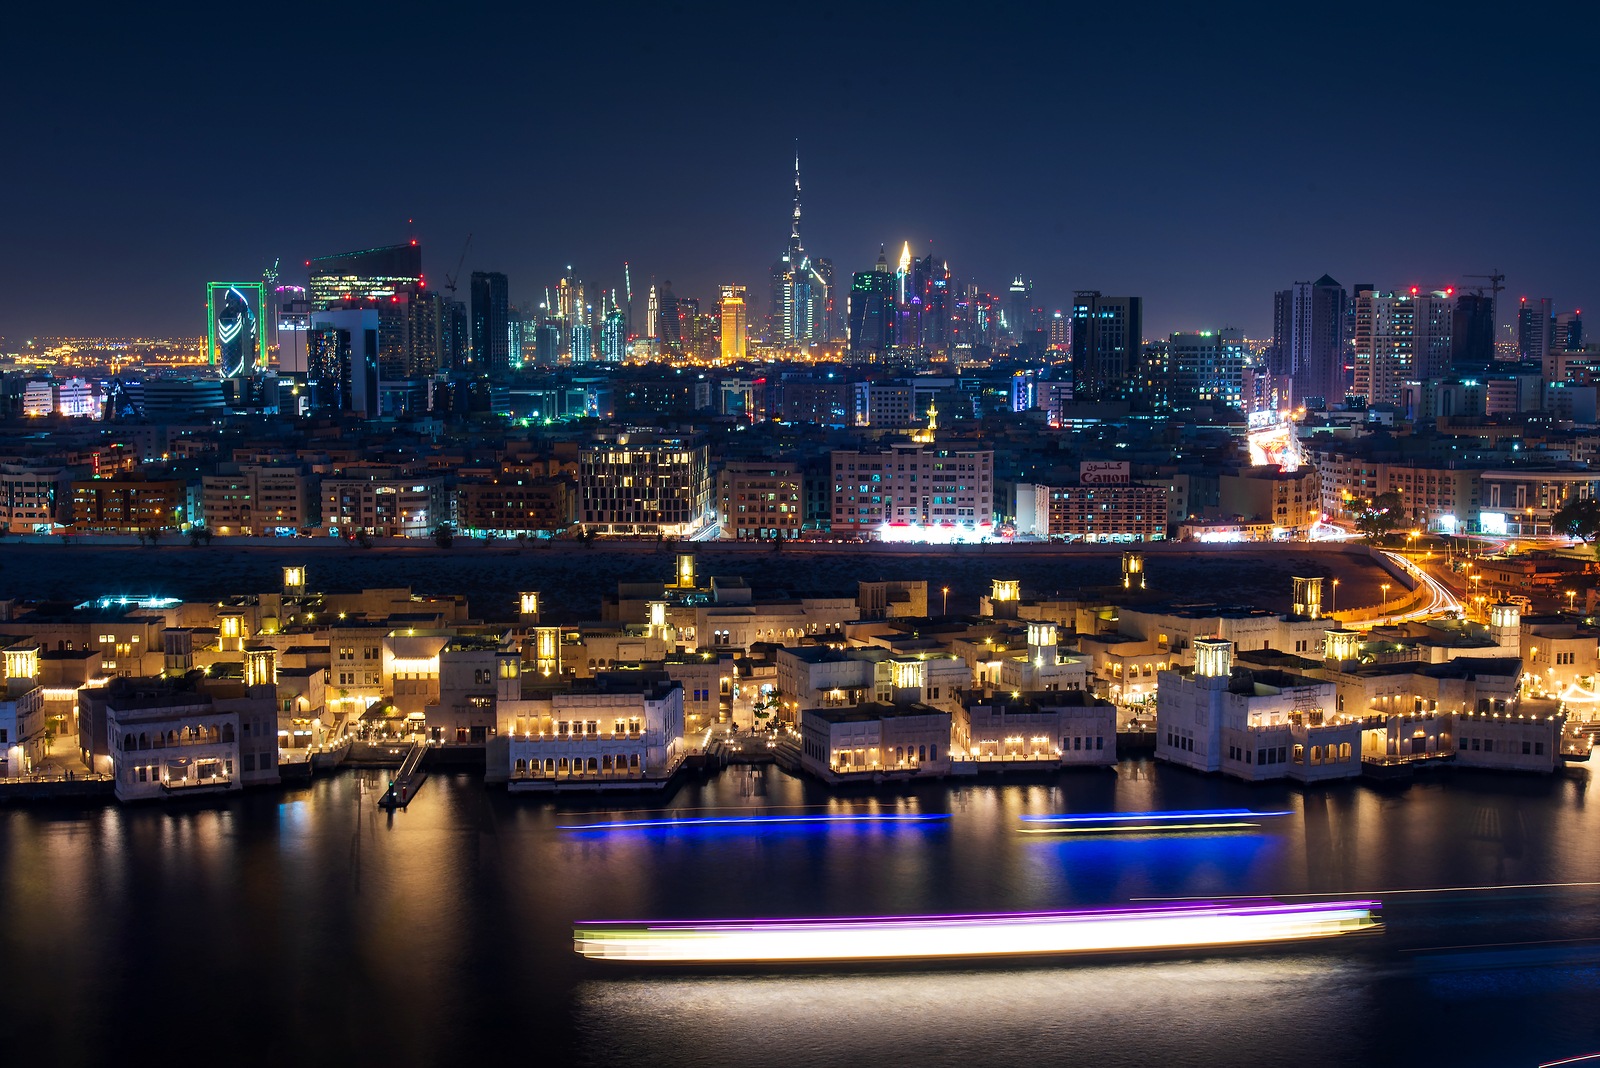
x=799 y=288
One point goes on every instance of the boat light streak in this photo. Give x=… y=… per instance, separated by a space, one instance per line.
x=757 y=821
x=996 y=935
x=1114 y=817
x=1142 y=828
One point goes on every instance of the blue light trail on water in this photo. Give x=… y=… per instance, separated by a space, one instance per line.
x=758 y=821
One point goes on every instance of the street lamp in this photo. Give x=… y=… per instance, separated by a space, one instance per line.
x=946 y=591
x=1335 y=597
x=1570 y=595
x=1384 y=586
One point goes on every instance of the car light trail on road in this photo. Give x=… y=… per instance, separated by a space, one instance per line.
x=970 y=936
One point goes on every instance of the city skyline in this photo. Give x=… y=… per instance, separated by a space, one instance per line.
x=1205 y=230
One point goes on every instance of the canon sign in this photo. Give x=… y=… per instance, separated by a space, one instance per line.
x=1103 y=473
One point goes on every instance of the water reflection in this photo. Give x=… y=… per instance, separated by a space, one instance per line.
x=1147 y=1013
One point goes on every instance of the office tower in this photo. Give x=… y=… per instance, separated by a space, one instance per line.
x=1106 y=341
x=1435 y=319
x=490 y=314
x=827 y=311
x=343 y=353
x=1566 y=332
x=294 y=319
x=652 y=315
x=1060 y=333
x=1205 y=368
x=614 y=336
x=547 y=345
x=692 y=333
x=734 y=344
x=235 y=315
x=1309 y=338
x=582 y=345
x=368 y=274
x=425 y=353
x=871 y=312
x=1399 y=338
x=1533 y=329
x=1019 y=306
x=667 y=321
x=455 y=336
x=1472 y=332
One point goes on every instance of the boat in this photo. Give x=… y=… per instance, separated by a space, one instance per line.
x=975 y=936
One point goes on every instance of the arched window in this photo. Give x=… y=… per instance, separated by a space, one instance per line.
x=227 y=732
x=922 y=753
x=933 y=752
x=594 y=764
x=522 y=765
x=160 y=741
x=127 y=743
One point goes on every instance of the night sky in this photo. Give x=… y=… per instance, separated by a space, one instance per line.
x=1199 y=157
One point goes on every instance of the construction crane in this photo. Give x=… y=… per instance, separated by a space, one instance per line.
x=1496 y=283
x=450 y=279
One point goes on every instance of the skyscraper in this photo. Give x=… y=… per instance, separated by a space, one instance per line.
x=668 y=324
x=490 y=316
x=1399 y=338
x=1472 y=332
x=652 y=315
x=734 y=344
x=1309 y=340
x=614 y=336
x=1533 y=329
x=1566 y=332
x=871 y=312
x=800 y=292
x=367 y=274
x=1107 y=335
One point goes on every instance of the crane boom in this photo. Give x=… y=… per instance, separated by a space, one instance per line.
x=450 y=279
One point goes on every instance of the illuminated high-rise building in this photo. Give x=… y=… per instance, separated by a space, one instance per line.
x=582 y=346
x=614 y=336
x=368 y=274
x=1309 y=340
x=235 y=328
x=652 y=315
x=734 y=344
x=293 y=313
x=668 y=323
x=1060 y=332
x=871 y=312
x=800 y=292
x=1533 y=329
x=1399 y=338
x=490 y=314
x=1107 y=340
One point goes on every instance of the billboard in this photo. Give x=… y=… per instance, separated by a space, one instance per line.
x=1275 y=446
x=1103 y=473
x=235 y=312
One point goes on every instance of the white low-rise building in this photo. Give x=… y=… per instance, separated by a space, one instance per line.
x=613 y=732
x=1253 y=724
x=875 y=741
x=1070 y=728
